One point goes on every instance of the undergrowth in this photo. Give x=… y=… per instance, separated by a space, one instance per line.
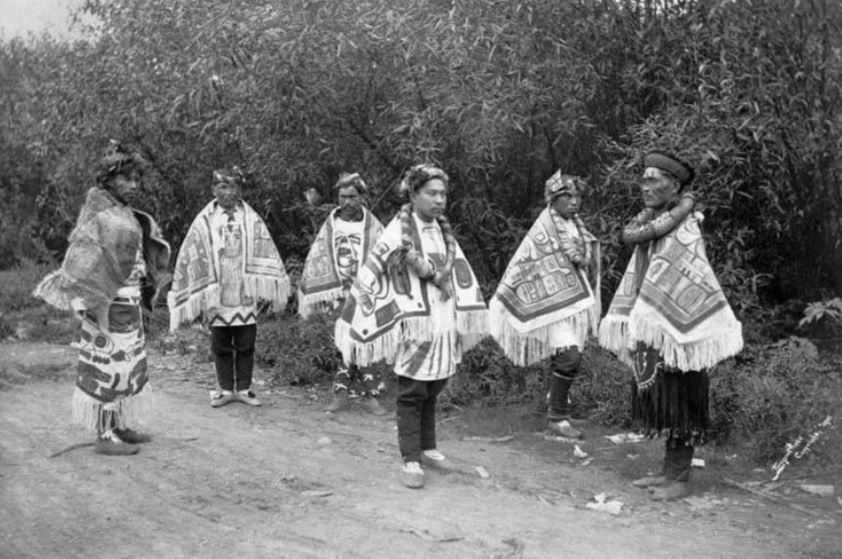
x=770 y=395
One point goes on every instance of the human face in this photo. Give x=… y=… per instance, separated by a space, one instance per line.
x=430 y=199
x=124 y=187
x=657 y=188
x=350 y=204
x=227 y=194
x=567 y=203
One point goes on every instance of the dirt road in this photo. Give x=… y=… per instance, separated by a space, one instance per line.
x=285 y=480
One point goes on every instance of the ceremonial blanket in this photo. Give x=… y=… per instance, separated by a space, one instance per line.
x=111 y=372
x=321 y=281
x=544 y=302
x=196 y=279
x=388 y=306
x=670 y=300
x=102 y=253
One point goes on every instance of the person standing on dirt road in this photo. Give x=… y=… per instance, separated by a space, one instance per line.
x=116 y=260
x=547 y=302
x=342 y=243
x=415 y=302
x=226 y=265
x=669 y=320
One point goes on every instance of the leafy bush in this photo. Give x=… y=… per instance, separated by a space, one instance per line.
x=16 y=285
x=772 y=394
x=487 y=377
x=301 y=352
x=296 y=92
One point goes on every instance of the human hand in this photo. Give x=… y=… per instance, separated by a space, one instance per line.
x=444 y=284
x=415 y=260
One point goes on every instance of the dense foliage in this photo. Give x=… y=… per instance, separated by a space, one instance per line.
x=499 y=93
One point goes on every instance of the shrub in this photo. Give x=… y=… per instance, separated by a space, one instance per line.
x=301 y=352
x=487 y=377
x=16 y=285
x=772 y=394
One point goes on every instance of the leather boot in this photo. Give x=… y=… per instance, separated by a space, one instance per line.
x=677 y=462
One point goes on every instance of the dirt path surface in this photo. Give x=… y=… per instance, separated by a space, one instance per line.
x=286 y=480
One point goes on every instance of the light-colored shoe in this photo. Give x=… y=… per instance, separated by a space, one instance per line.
x=646 y=482
x=564 y=429
x=110 y=444
x=221 y=397
x=435 y=459
x=248 y=397
x=670 y=492
x=412 y=475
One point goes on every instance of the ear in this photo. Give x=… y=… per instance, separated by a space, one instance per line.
x=676 y=187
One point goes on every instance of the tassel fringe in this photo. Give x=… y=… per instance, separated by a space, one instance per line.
x=676 y=402
x=310 y=304
x=196 y=304
x=726 y=342
x=265 y=288
x=536 y=345
x=614 y=333
x=260 y=288
x=383 y=347
x=472 y=326
x=130 y=411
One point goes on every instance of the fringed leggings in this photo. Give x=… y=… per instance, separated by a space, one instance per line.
x=671 y=402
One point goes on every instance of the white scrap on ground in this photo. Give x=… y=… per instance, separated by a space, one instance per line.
x=600 y=503
x=621 y=438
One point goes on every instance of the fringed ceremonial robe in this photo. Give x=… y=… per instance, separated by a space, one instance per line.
x=212 y=277
x=333 y=261
x=113 y=250
x=544 y=302
x=670 y=322
x=391 y=314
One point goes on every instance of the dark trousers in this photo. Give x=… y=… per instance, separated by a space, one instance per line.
x=233 y=351
x=564 y=366
x=678 y=458
x=417 y=416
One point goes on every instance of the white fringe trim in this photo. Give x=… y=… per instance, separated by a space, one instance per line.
x=614 y=333
x=196 y=304
x=313 y=303
x=260 y=288
x=130 y=411
x=536 y=345
x=381 y=348
x=273 y=289
x=471 y=325
x=725 y=340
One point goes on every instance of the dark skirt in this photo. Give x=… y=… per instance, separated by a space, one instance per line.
x=668 y=401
